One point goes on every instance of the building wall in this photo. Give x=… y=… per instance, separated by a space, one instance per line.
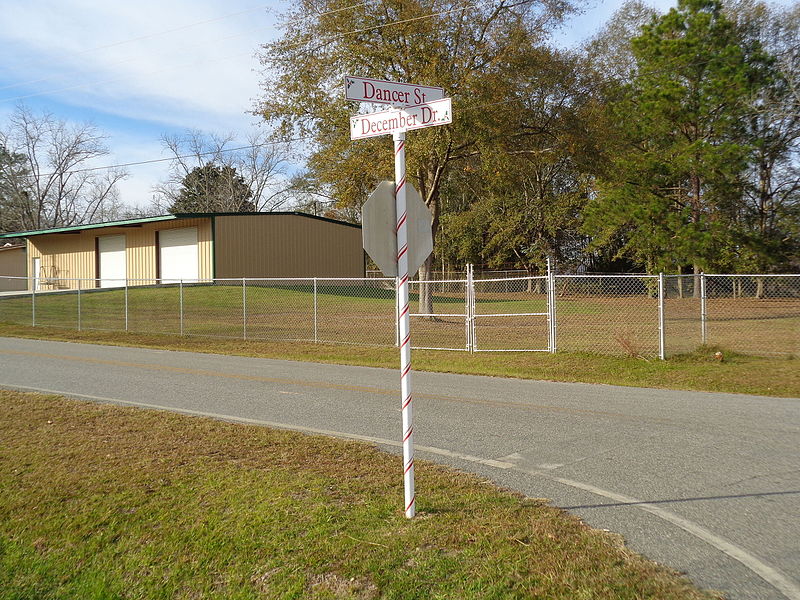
x=286 y=245
x=12 y=264
x=66 y=257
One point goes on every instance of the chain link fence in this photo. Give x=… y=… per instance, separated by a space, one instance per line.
x=636 y=315
x=607 y=314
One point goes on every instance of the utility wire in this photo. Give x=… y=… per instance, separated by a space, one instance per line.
x=181 y=157
x=307 y=138
x=205 y=43
x=392 y=23
x=141 y=38
x=201 y=61
x=248 y=147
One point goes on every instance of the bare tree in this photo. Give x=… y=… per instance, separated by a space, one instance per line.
x=257 y=164
x=50 y=182
x=610 y=49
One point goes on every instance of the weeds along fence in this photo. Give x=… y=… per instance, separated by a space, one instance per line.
x=637 y=315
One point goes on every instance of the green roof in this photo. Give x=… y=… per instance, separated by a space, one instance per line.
x=91 y=226
x=133 y=222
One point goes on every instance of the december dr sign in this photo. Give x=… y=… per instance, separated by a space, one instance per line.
x=438 y=112
x=380 y=91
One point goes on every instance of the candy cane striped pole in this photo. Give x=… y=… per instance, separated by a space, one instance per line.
x=404 y=324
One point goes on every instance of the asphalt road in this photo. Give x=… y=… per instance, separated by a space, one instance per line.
x=708 y=484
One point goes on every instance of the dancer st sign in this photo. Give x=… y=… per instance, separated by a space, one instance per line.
x=395 y=94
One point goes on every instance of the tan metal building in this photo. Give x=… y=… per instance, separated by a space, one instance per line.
x=192 y=248
x=12 y=264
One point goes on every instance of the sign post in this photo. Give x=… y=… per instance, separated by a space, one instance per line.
x=415 y=107
x=404 y=324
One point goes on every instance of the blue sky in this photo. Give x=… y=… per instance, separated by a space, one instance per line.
x=139 y=70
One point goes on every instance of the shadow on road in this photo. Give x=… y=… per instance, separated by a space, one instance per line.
x=676 y=500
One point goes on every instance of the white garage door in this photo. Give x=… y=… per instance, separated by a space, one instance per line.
x=112 y=260
x=179 y=255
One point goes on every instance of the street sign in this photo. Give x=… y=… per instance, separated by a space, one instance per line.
x=396 y=224
x=379 y=229
x=379 y=91
x=431 y=114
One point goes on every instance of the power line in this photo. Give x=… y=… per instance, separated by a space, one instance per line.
x=181 y=157
x=325 y=42
x=143 y=37
x=392 y=23
x=240 y=148
x=203 y=44
x=122 y=77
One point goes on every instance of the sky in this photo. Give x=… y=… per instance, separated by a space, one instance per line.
x=141 y=70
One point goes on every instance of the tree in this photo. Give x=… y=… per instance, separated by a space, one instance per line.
x=610 y=49
x=519 y=203
x=47 y=177
x=212 y=188
x=530 y=216
x=246 y=178
x=12 y=205
x=477 y=53
x=675 y=184
x=770 y=215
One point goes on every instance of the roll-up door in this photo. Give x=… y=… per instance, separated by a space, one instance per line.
x=111 y=249
x=179 y=255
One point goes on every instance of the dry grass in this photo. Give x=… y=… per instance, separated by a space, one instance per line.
x=104 y=502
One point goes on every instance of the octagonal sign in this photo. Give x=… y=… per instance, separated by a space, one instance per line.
x=379 y=229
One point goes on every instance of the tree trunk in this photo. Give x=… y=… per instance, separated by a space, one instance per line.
x=696 y=212
x=760 y=288
x=428 y=181
x=426 y=289
x=680 y=283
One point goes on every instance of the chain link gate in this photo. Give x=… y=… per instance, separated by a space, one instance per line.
x=510 y=314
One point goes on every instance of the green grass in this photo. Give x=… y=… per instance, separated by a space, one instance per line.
x=698 y=370
x=103 y=502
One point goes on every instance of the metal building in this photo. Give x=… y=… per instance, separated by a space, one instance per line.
x=192 y=248
x=12 y=264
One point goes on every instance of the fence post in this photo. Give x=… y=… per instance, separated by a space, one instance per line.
x=33 y=303
x=551 y=308
x=703 y=313
x=469 y=309
x=315 y=310
x=126 y=304
x=244 y=309
x=396 y=317
x=180 y=295
x=662 y=350
x=79 y=304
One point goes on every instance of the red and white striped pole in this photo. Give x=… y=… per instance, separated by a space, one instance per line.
x=404 y=324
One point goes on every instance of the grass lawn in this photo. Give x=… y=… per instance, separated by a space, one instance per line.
x=699 y=370
x=104 y=502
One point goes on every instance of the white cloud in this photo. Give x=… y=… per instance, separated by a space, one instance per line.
x=68 y=51
x=182 y=64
